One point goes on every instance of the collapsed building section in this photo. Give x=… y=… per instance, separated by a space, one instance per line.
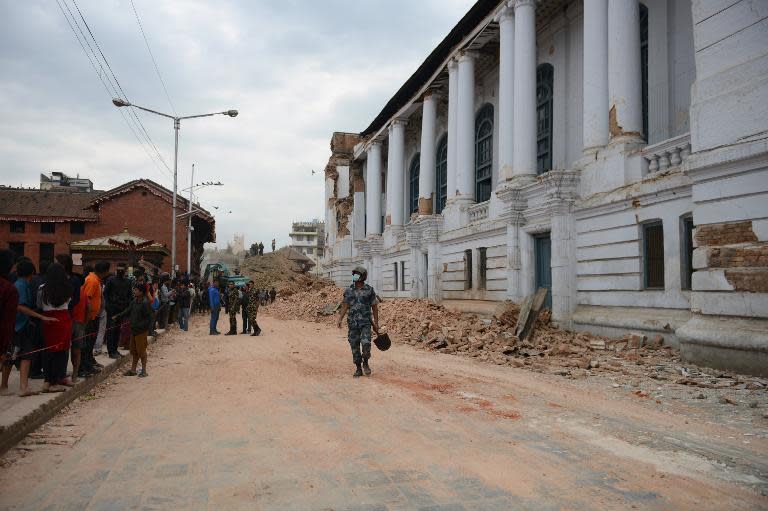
x=342 y=184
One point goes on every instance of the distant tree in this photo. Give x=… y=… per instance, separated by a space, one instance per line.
x=229 y=249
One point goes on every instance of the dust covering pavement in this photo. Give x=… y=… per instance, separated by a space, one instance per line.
x=278 y=423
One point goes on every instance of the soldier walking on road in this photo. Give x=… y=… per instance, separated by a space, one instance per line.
x=360 y=301
x=273 y=244
x=233 y=307
x=253 y=308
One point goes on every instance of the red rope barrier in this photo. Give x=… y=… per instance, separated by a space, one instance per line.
x=17 y=355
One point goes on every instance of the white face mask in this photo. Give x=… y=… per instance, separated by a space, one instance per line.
x=355 y=277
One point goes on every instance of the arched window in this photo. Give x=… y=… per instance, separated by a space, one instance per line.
x=441 y=175
x=413 y=188
x=644 y=65
x=544 y=84
x=483 y=153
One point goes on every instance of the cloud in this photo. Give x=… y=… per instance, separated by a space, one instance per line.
x=296 y=70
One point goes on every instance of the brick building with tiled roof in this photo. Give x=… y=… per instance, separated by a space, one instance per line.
x=42 y=223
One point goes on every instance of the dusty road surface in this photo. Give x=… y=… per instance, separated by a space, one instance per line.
x=278 y=423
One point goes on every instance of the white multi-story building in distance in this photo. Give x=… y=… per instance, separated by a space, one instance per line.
x=61 y=181
x=308 y=238
x=613 y=151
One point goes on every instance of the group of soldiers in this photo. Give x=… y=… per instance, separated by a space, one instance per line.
x=258 y=248
x=248 y=299
x=360 y=305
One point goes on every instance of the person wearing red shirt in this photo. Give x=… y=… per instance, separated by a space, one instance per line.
x=9 y=300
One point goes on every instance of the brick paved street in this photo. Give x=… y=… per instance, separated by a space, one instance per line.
x=278 y=423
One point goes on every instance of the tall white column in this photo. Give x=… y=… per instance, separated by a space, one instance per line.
x=373 y=189
x=453 y=96
x=506 y=92
x=595 y=117
x=625 y=111
x=524 y=131
x=396 y=174
x=427 y=159
x=358 y=211
x=465 y=129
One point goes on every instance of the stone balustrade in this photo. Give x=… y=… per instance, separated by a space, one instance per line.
x=667 y=154
x=478 y=212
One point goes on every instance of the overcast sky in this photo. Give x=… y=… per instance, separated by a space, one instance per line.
x=297 y=70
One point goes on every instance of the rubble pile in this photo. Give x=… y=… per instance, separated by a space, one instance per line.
x=429 y=326
x=276 y=269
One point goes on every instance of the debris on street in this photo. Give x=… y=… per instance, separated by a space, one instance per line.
x=632 y=361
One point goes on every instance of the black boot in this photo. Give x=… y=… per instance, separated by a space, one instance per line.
x=359 y=372
x=231 y=332
x=366 y=368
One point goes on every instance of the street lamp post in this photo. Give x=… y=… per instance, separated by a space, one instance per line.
x=119 y=102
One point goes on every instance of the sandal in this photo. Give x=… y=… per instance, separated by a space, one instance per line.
x=129 y=372
x=28 y=393
x=54 y=388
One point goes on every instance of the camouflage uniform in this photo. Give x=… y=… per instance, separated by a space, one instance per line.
x=360 y=302
x=253 y=309
x=233 y=307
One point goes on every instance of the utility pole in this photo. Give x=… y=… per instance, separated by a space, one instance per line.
x=189 y=223
x=176 y=127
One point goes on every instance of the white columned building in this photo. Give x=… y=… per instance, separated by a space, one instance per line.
x=610 y=151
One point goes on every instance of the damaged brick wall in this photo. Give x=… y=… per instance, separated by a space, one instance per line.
x=734 y=247
x=725 y=234
x=342 y=148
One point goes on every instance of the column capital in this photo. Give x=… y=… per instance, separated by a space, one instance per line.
x=397 y=122
x=453 y=65
x=431 y=93
x=506 y=13
x=525 y=3
x=467 y=55
x=375 y=143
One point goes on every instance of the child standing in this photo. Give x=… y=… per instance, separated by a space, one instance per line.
x=140 y=317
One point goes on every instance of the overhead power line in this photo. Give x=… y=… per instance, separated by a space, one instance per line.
x=122 y=92
x=110 y=93
x=154 y=62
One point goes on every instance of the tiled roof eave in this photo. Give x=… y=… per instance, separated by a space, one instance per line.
x=110 y=248
x=45 y=219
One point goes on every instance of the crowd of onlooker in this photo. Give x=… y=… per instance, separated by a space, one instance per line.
x=54 y=316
